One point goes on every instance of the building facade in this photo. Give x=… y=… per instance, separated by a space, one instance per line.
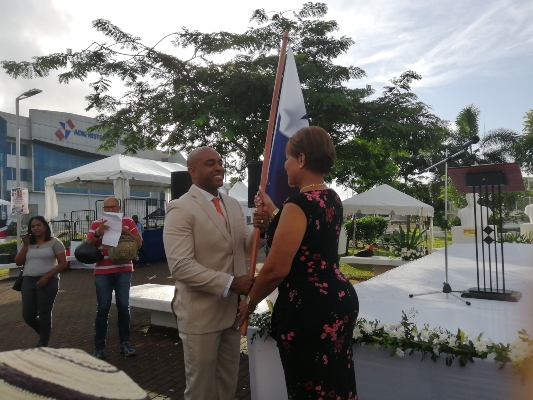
x=53 y=142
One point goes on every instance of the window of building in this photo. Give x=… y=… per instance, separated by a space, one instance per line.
x=25 y=175
x=11 y=174
x=12 y=149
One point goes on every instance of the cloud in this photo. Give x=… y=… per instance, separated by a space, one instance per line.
x=448 y=43
x=440 y=41
x=28 y=25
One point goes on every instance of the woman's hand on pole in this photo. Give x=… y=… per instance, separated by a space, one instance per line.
x=263 y=199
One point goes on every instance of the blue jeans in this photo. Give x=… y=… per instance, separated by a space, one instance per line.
x=37 y=305
x=120 y=282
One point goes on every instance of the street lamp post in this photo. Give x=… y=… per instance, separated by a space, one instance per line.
x=25 y=95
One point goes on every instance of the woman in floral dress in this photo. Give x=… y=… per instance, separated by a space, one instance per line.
x=316 y=309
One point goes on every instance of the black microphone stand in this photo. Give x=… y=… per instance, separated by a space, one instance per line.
x=446 y=288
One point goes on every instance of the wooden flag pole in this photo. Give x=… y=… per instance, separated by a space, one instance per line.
x=266 y=153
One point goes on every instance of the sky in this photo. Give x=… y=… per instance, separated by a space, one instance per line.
x=468 y=51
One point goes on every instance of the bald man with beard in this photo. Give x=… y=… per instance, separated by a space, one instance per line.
x=206 y=241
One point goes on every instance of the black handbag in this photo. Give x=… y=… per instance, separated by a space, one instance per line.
x=87 y=254
x=364 y=253
x=18 y=282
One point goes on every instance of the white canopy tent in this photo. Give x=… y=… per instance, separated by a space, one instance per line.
x=4 y=203
x=118 y=173
x=384 y=199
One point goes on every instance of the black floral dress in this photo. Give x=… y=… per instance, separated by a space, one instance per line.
x=316 y=309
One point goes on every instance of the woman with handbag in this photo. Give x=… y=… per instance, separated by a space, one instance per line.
x=43 y=257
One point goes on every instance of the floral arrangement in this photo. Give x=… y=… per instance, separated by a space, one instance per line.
x=406 y=254
x=433 y=343
x=407 y=247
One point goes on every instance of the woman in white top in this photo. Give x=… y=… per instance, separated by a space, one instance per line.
x=43 y=257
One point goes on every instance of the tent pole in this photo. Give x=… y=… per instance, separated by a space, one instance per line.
x=431 y=235
x=354 y=226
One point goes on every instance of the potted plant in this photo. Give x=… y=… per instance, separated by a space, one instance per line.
x=408 y=246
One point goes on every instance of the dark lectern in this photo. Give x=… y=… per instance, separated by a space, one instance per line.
x=491 y=180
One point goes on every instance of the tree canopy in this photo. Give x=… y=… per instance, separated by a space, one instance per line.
x=179 y=104
x=525 y=147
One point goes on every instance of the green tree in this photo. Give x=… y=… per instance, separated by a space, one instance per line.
x=524 y=149
x=391 y=136
x=367 y=229
x=179 y=104
x=495 y=146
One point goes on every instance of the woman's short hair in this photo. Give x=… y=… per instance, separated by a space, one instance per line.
x=316 y=144
x=47 y=235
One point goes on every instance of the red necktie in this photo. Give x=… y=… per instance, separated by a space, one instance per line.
x=216 y=200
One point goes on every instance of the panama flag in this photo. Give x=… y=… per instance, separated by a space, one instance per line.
x=290 y=118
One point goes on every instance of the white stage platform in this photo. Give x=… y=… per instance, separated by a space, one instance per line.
x=386 y=296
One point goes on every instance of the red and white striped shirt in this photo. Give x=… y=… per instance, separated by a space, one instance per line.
x=106 y=266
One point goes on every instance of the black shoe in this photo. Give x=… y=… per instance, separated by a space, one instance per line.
x=100 y=354
x=126 y=349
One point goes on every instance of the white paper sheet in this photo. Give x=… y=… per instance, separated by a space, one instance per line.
x=114 y=223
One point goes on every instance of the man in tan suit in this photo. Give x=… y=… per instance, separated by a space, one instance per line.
x=206 y=240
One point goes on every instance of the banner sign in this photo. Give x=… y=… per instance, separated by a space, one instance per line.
x=19 y=201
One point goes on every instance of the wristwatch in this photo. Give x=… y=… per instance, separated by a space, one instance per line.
x=250 y=304
x=96 y=236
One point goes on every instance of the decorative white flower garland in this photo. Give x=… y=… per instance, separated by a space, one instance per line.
x=406 y=336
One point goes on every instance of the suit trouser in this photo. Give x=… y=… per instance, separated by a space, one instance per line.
x=212 y=364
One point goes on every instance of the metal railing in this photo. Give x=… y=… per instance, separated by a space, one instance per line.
x=75 y=228
x=151 y=213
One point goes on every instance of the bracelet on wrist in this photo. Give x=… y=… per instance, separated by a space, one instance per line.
x=274 y=213
x=97 y=236
x=250 y=304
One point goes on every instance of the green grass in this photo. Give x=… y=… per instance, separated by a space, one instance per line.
x=363 y=271
x=359 y=272
x=377 y=251
x=4 y=274
x=439 y=242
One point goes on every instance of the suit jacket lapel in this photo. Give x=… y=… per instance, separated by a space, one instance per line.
x=212 y=214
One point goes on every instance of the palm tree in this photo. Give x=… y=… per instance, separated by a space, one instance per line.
x=525 y=147
x=495 y=146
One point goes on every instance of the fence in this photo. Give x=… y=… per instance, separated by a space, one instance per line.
x=151 y=213
x=76 y=228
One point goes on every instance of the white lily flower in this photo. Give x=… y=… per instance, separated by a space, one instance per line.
x=367 y=328
x=357 y=333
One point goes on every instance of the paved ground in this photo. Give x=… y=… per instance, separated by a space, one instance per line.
x=158 y=366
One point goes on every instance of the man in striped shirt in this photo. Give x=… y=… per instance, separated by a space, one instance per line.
x=109 y=276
